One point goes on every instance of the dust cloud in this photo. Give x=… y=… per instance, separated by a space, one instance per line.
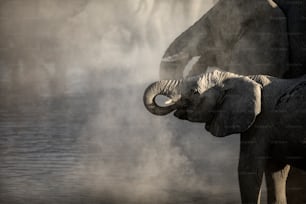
x=73 y=126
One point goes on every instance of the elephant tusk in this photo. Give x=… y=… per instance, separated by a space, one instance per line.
x=272 y=3
x=176 y=57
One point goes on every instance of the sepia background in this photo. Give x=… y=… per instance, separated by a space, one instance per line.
x=73 y=128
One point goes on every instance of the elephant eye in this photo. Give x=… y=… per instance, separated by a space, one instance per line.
x=195 y=91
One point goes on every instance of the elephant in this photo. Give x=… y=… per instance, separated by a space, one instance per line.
x=247 y=38
x=268 y=112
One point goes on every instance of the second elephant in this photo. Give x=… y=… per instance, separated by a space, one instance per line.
x=268 y=112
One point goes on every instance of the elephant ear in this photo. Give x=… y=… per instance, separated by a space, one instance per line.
x=237 y=107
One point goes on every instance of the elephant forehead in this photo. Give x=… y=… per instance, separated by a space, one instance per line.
x=199 y=84
x=207 y=82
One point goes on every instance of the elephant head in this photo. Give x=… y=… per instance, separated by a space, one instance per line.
x=244 y=37
x=227 y=103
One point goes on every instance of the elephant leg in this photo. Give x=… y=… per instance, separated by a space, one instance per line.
x=276 y=176
x=252 y=161
x=250 y=179
x=296 y=186
x=250 y=172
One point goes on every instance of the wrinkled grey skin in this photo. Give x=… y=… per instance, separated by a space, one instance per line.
x=268 y=112
x=244 y=37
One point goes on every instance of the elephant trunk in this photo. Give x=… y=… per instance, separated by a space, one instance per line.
x=168 y=88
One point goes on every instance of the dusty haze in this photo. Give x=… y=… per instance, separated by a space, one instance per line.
x=73 y=126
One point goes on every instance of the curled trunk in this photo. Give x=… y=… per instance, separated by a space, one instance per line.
x=168 y=88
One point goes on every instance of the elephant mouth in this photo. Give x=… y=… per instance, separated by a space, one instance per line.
x=182 y=108
x=181 y=114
